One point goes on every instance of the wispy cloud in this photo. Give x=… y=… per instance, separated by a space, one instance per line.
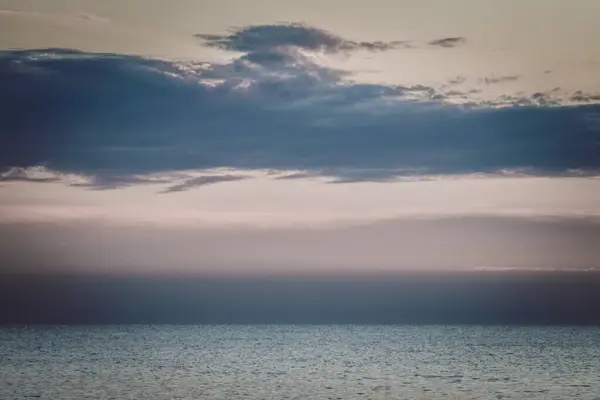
x=580 y=96
x=457 y=81
x=297 y=175
x=265 y=38
x=203 y=181
x=36 y=174
x=448 y=42
x=109 y=181
x=92 y=17
x=490 y=80
x=260 y=38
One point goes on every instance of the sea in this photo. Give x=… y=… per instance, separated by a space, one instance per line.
x=232 y=362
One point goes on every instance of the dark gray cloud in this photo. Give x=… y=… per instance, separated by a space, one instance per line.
x=116 y=118
x=261 y=38
x=203 y=181
x=448 y=42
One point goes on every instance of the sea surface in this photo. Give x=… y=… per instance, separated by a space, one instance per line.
x=299 y=362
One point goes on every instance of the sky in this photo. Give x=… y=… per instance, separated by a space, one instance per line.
x=236 y=137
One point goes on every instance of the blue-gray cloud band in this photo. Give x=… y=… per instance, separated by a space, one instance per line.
x=114 y=115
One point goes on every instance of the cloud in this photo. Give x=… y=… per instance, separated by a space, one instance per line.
x=266 y=38
x=536 y=99
x=500 y=79
x=297 y=175
x=108 y=181
x=105 y=181
x=448 y=42
x=114 y=117
x=203 y=181
x=34 y=174
x=28 y=179
x=580 y=96
x=179 y=181
x=92 y=17
x=456 y=93
x=261 y=38
x=457 y=81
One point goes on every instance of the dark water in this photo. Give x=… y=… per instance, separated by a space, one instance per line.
x=299 y=362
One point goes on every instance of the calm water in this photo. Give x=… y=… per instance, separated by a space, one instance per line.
x=299 y=362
